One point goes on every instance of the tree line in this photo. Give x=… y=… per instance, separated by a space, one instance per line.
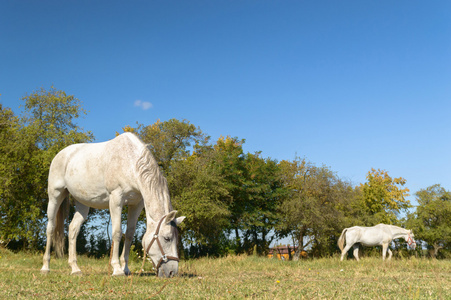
x=235 y=202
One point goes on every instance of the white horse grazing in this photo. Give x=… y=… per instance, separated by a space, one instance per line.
x=110 y=175
x=373 y=236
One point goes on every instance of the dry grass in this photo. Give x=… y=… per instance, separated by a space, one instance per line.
x=230 y=278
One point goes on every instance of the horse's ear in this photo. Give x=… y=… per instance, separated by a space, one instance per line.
x=179 y=220
x=170 y=216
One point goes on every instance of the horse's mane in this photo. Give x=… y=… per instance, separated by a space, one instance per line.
x=147 y=166
x=150 y=174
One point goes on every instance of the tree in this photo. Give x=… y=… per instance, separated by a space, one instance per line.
x=15 y=168
x=265 y=194
x=383 y=197
x=197 y=191
x=223 y=190
x=295 y=212
x=30 y=143
x=431 y=222
x=50 y=116
x=230 y=160
x=314 y=211
x=170 y=140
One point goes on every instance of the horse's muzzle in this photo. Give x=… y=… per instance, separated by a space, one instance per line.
x=168 y=269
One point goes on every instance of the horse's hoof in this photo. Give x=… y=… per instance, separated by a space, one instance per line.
x=44 y=271
x=76 y=273
x=127 y=272
x=118 y=272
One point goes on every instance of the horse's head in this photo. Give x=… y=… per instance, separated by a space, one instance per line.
x=160 y=244
x=410 y=240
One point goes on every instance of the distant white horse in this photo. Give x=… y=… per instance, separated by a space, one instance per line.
x=373 y=236
x=110 y=175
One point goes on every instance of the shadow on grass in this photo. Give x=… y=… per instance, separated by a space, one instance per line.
x=188 y=275
x=152 y=274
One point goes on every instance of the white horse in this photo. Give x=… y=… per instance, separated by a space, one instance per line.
x=110 y=175
x=381 y=234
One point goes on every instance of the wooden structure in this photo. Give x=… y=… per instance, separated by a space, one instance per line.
x=282 y=252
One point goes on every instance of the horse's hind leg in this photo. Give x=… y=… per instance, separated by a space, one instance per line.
x=56 y=197
x=345 y=250
x=132 y=218
x=81 y=212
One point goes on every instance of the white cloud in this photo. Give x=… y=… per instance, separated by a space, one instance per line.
x=143 y=104
x=146 y=105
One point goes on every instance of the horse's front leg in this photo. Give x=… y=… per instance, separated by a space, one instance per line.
x=132 y=218
x=115 y=212
x=389 y=253
x=81 y=213
x=384 y=251
x=356 y=251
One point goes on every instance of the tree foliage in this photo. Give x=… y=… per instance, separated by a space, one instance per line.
x=314 y=211
x=198 y=192
x=170 y=140
x=50 y=115
x=431 y=221
x=234 y=201
x=265 y=193
x=29 y=144
x=383 y=197
x=231 y=163
x=19 y=214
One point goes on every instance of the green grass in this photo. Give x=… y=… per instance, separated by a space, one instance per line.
x=230 y=278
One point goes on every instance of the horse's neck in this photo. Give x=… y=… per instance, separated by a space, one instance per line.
x=398 y=232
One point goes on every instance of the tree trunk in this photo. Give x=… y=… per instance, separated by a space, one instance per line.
x=300 y=247
x=435 y=250
x=237 y=241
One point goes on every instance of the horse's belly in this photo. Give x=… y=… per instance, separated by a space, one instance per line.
x=370 y=244
x=99 y=199
x=372 y=238
x=98 y=196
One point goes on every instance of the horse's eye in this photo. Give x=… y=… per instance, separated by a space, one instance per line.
x=166 y=239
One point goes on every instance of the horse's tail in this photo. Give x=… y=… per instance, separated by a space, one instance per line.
x=58 y=236
x=341 y=240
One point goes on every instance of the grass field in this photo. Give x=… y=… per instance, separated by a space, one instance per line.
x=233 y=277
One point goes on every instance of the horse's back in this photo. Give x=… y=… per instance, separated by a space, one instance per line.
x=58 y=166
x=95 y=157
x=369 y=236
x=90 y=172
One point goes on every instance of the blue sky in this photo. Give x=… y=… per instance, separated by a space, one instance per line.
x=353 y=85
